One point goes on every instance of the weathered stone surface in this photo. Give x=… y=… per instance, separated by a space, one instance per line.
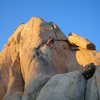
x=35 y=52
x=85 y=57
x=15 y=96
x=71 y=86
x=42 y=58
x=28 y=56
x=68 y=86
x=77 y=40
x=93 y=87
x=10 y=70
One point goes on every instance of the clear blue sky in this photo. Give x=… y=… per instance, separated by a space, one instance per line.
x=79 y=16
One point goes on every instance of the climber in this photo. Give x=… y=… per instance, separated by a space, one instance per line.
x=50 y=42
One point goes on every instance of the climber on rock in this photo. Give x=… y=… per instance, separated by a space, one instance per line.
x=50 y=42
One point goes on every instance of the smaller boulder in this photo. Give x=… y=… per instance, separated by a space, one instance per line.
x=81 y=42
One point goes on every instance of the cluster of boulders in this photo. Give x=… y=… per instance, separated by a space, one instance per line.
x=40 y=63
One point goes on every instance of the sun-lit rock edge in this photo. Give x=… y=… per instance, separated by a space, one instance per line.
x=35 y=52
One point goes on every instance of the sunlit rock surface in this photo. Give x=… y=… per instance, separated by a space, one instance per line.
x=37 y=51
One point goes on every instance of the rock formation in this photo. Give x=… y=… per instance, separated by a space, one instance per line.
x=40 y=63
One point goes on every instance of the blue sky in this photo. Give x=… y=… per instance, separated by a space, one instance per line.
x=79 y=16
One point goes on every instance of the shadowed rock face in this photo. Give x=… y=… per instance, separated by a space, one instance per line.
x=35 y=52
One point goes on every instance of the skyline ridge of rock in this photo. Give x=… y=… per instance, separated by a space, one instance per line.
x=37 y=51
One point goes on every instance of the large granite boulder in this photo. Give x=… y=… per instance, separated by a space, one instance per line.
x=71 y=86
x=35 y=52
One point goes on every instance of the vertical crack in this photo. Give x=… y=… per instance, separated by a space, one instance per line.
x=3 y=83
x=97 y=89
x=85 y=89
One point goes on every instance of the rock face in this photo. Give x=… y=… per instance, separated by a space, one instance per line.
x=64 y=87
x=81 y=42
x=71 y=86
x=36 y=52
